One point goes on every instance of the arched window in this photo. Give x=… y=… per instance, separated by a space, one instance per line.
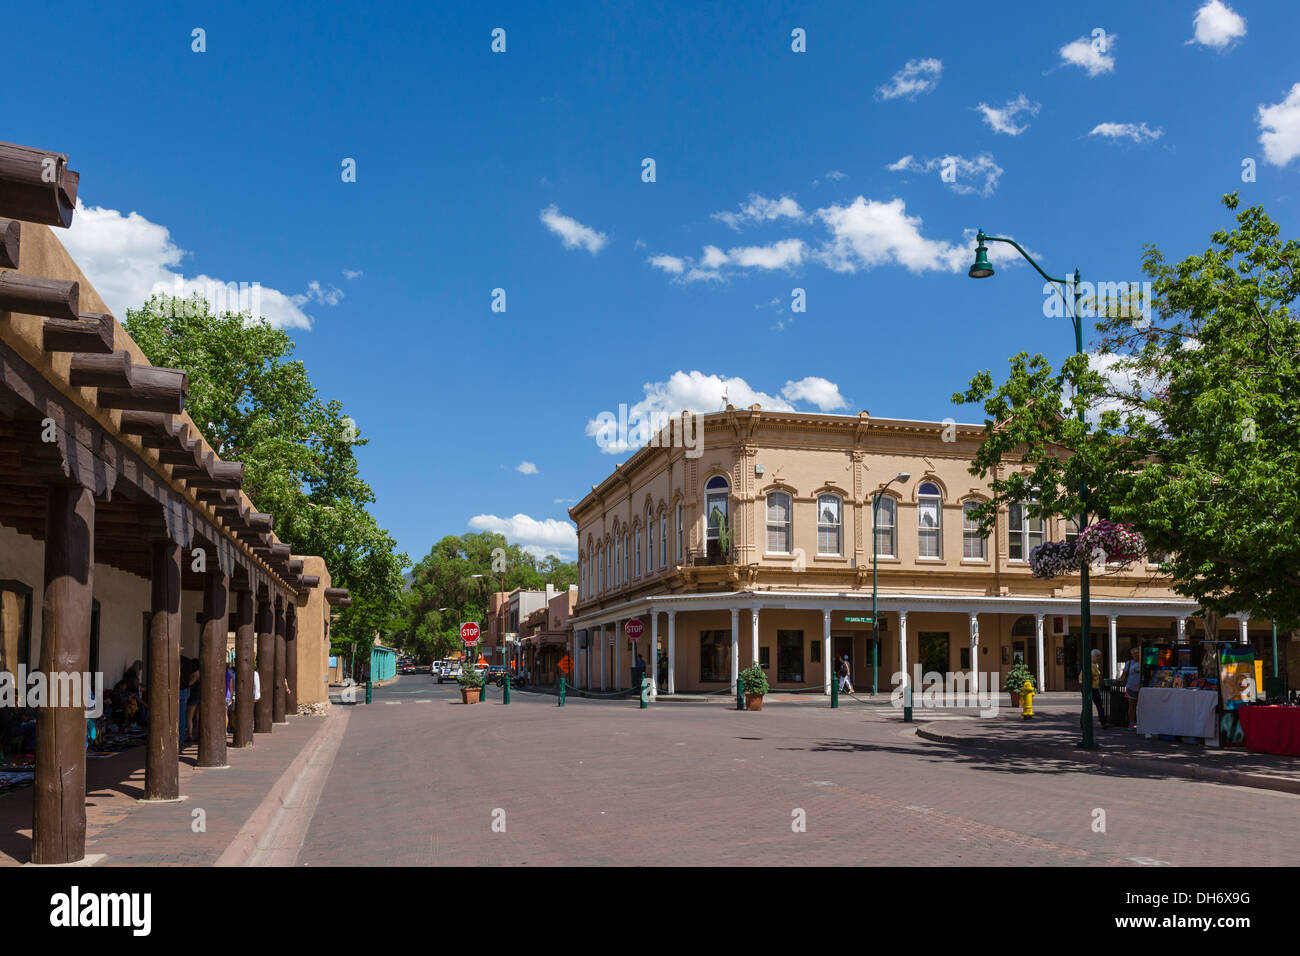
x=717 y=500
x=974 y=546
x=778 y=523
x=663 y=539
x=886 y=515
x=600 y=570
x=637 y=551
x=679 y=533
x=649 y=542
x=829 y=524
x=627 y=564
x=929 y=520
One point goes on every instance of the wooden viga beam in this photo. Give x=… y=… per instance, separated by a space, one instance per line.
x=280 y=551
x=99 y=371
x=335 y=595
x=295 y=566
x=152 y=390
x=37 y=186
x=310 y=580
x=260 y=521
x=34 y=295
x=187 y=454
x=11 y=233
x=223 y=474
x=155 y=429
x=89 y=332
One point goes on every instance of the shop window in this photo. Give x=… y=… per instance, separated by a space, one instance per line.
x=764 y=658
x=789 y=656
x=815 y=652
x=715 y=657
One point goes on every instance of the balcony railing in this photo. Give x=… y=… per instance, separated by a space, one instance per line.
x=711 y=556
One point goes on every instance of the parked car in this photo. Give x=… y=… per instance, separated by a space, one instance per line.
x=406 y=667
x=450 y=671
x=496 y=674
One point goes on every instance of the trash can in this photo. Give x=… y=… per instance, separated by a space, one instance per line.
x=1116 y=702
x=637 y=674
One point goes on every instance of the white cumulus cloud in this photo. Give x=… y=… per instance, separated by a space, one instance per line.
x=128 y=258
x=1138 y=132
x=817 y=391
x=1217 y=25
x=1003 y=120
x=547 y=536
x=956 y=171
x=526 y=468
x=573 y=233
x=762 y=209
x=1279 y=129
x=1096 y=55
x=916 y=77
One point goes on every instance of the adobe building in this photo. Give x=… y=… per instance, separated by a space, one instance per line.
x=756 y=546
x=125 y=541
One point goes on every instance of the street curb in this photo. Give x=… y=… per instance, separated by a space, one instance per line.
x=1188 y=771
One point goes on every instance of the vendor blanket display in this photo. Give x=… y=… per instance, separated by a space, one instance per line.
x=15 y=779
x=1181 y=712
x=1271 y=730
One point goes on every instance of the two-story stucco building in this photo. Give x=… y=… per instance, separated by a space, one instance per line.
x=756 y=546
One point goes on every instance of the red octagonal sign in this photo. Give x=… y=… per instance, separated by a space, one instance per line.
x=634 y=628
x=469 y=633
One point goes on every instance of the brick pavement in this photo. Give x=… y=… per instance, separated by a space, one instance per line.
x=127 y=832
x=602 y=783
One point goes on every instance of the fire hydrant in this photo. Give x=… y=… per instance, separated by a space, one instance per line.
x=1027 y=700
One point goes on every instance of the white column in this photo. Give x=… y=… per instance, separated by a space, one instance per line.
x=826 y=652
x=1245 y=634
x=1182 y=630
x=672 y=652
x=602 y=656
x=1042 y=664
x=974 y=645
x=735 y=646
x=902 y=651
x=1114 y=645
x=618 y=656
x=753 y=620
x=652 y=659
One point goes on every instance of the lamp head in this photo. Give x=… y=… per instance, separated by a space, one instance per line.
x=903 y=476
x=982 y=268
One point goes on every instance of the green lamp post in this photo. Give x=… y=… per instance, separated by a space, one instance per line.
x=902 y=476
x=983 y=269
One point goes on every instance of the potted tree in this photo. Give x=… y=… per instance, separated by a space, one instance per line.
x=471 y=683
x=755 y=684
x=1015 y=681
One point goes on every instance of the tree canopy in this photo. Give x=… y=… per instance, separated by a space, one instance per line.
x=443 y=593
x=254 y=403
x=1192 y=423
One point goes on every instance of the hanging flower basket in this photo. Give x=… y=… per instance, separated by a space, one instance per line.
x=1052 y=559
x=1109 y=542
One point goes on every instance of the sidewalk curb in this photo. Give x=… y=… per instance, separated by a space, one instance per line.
x=1188 y=771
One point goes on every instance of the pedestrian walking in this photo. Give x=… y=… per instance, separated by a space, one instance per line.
x=845 y=683
x=1096 y=686
x=1132 y=677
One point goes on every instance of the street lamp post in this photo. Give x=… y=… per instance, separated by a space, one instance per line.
x=902 y=476
x=983 y=269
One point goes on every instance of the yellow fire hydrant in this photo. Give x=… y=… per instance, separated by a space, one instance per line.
x=1027 y=700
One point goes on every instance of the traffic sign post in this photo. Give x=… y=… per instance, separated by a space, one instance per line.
x=469 y=633
x=634 y=629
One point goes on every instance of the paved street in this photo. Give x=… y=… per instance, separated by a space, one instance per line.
x=419 y=778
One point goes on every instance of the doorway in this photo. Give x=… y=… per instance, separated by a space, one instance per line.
x=1024 y=644
x=933 y=652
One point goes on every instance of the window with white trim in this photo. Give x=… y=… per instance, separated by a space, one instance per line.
x=649 y=542
x=716 y=502
x=679 y=533
x=974 y=546
x=636 y=550
x=830 y=526
x=885 y=520
x=1024 y=532
x=663 y=539
x=929 y=521
x=778 y=523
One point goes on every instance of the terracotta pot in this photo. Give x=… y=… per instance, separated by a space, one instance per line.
x=1015 y=699
x=469 y=695
x=753 y=701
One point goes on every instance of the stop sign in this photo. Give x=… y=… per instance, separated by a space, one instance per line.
x=634 y=628
x=469 y=632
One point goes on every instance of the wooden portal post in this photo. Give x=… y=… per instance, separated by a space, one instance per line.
x=265 y=666
x=212 y=669
x=59 y=803
x=291 y=659
x=161 y=780
x=277 y=691
x=244 y=641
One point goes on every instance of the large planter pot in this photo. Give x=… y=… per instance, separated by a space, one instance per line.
x=753 y=701
x=1015 y=698
x=469 y=695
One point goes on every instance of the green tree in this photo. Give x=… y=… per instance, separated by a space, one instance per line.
x=254 y=403
x=1192 y=434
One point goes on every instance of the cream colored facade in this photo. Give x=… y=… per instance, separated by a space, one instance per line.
x=783 y=593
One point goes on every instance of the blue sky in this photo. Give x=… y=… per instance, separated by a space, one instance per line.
x=772 y=172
